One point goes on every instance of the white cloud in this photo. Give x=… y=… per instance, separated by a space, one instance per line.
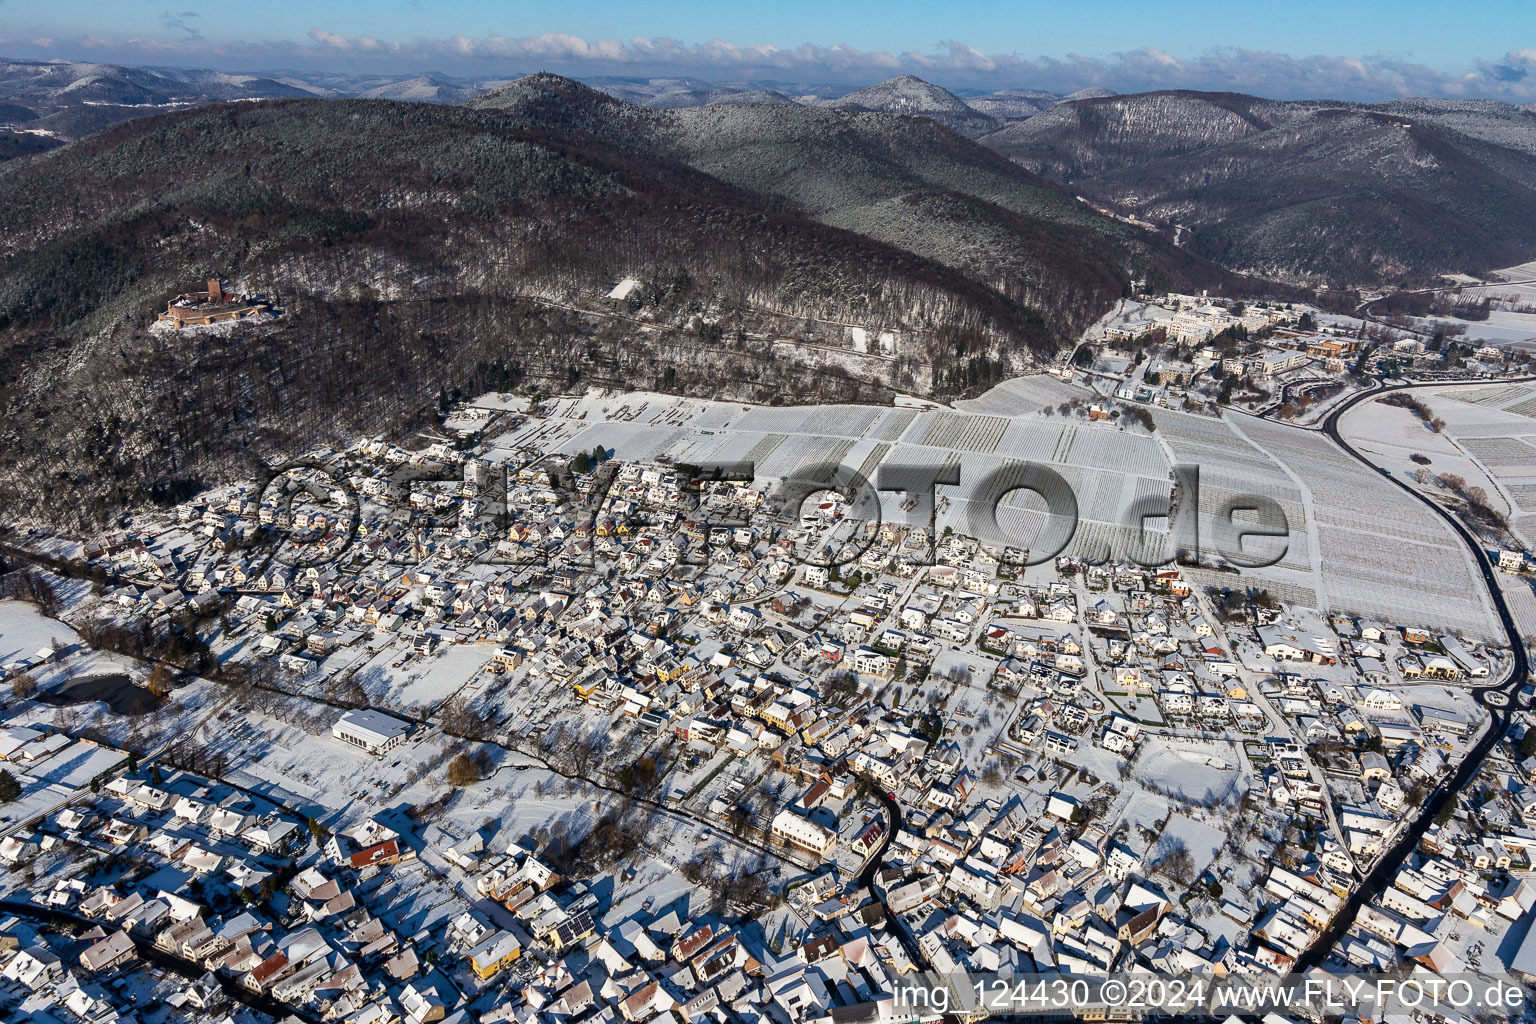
x=951 y=63
x=960 y=64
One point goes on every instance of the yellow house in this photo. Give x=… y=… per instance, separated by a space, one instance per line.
x=494 y=955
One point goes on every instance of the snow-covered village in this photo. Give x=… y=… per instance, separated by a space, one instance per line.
x=800 y=513
x=625 y=706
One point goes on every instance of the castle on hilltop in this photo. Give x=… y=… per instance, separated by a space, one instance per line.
x=195 y=309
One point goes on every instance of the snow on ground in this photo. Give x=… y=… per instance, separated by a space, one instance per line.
x=1329 y=559
x=24 y=631
x=1201 y=772
x=1380 y=552
x=1503 y=327
x=1489 y=440
x=1202 y=839
x=1143 y=809
x=419 y=682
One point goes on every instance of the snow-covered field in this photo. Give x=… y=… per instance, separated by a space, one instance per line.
x=1503 y=327
x=1380 y=553
x=24 y=631
x=1489 y=440
x=1203 y=773
x=1354 y=543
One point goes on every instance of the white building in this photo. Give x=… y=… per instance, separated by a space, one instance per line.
x=802 y=833
x=373 y=731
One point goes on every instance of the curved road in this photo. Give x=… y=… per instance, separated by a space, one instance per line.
x=1498 y=697
x=897 y=926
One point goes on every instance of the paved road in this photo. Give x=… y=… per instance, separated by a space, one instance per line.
x=867 y=878
x=1498 y=697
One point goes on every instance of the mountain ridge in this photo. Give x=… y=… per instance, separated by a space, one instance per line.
x=414 y=250
x=1316 y=192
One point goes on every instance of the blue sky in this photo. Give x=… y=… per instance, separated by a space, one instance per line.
x=1305 y=47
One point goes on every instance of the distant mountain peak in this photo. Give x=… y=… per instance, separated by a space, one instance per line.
x=908 y=94
x=905 y=92
x=541 y=85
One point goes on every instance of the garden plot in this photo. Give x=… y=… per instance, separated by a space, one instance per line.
x=1103 y=497
x=1381 y=553
x=726 y=449
x=696 y=449
x=891 y=424
x=839 y=420
x=1022 y=396
x=1032 y=440
x=974 y=719
x=1236 y=470
x=1142 y=810
x=1520 y=272
x=542 y=434
x=871 y=458
x=1496 y=396
x=1202 y=839
x=1293 y=587
x=961 y=432
x=412 y=899
x=1356 y=541
x=1495 y=417
x=1500 y=450
x=803 y=457
x=1401 y=581
x=631 y=442
x=1118 y=451
x=764 y=446
x=1521 y=603
x=717 y=416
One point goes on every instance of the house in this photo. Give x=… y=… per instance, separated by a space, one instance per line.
x=116 y=948
x=1061 y=806
x=34 y=968
x=792 y=830
x=494 y=955
x=1288 y=644
x=868 y=661
x=16 y=850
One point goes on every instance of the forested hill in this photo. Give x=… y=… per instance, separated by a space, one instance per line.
x=417 y=249
x=1314 y=191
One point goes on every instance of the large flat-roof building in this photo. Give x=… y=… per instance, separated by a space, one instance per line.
x=372 y=731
